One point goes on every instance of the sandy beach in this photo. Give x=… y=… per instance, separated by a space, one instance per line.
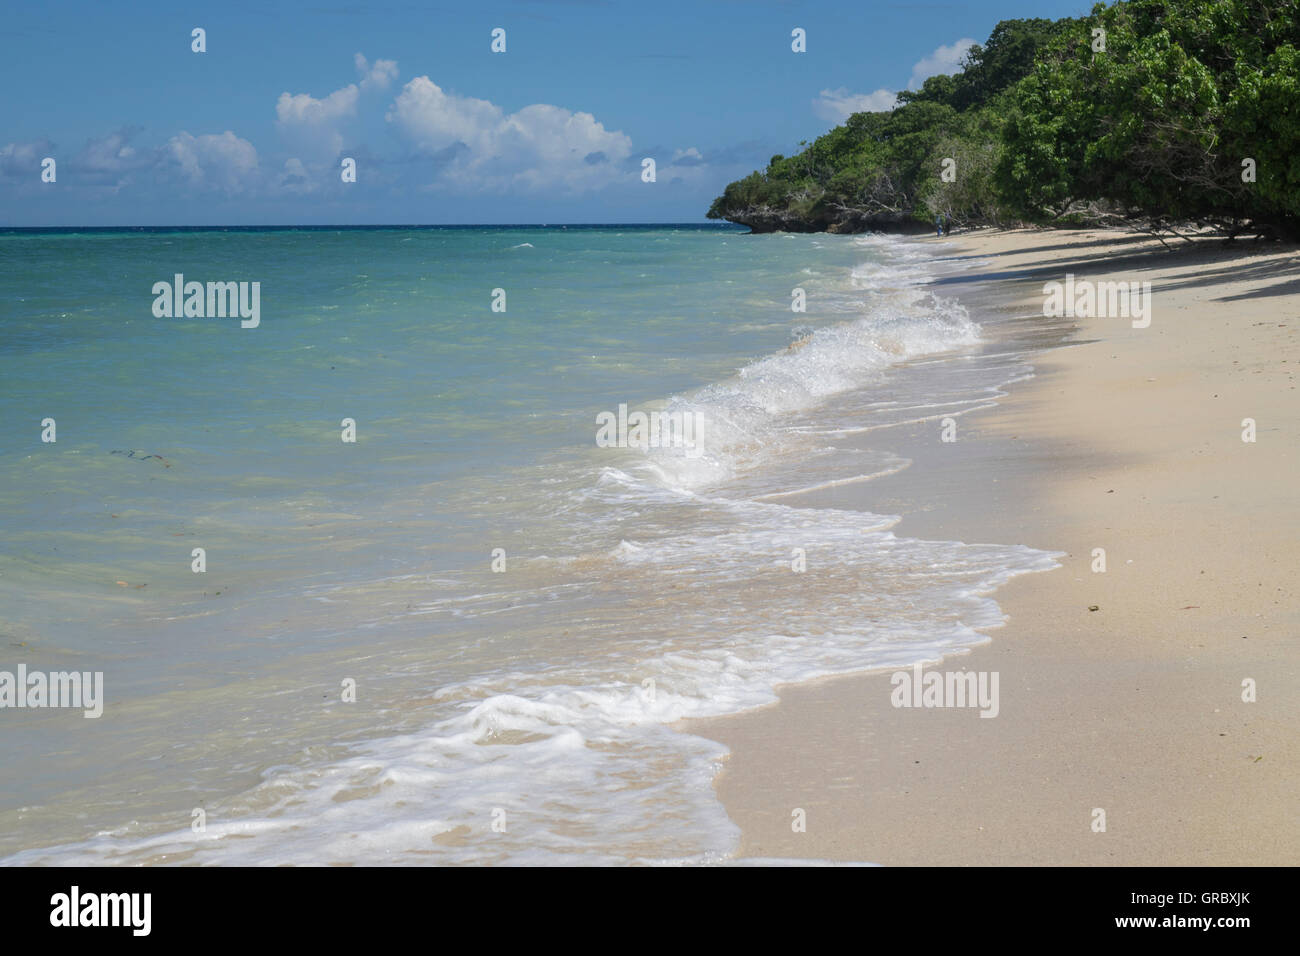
x=1120 y=691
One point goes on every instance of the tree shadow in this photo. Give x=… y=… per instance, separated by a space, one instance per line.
x=1202 y=267
x=1058 y=247
x=1279 y=288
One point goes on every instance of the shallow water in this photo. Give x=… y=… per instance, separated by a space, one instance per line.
x=524 y=613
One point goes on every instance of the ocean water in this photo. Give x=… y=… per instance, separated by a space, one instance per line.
x=524 y=614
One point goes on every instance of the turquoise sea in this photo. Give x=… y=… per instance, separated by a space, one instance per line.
x=466 y=635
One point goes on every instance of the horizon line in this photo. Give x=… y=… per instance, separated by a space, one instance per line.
x=377 y=225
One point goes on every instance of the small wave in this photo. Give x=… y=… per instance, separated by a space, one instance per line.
x=747 y=418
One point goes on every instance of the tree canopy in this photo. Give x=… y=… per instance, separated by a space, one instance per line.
x=1166 y=111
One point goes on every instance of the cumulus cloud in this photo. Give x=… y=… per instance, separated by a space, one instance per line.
x=213 y=161
x=944 y=60
x=24 y=159
x=112 y=161
x=314 y=126
x=377 y=75
x=311 y=125
x=837 y=105
x=306 y=110
x=112 y=153
x=296 y=178
x=476 y=144
x=104 y=161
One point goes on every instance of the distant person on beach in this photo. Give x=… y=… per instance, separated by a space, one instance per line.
x=938 y=225
x=947 y=224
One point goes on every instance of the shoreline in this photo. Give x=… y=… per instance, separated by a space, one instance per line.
x=1126 y=439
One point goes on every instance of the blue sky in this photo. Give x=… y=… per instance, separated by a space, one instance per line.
x=144 y=131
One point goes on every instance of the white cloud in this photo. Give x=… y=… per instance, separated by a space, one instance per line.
x=377 y=75
x=221 y=161
x=837 y=105
x=24 y=159
x=944 y=60
x=479 y=145
x=305 y=109
x=435 y=119
x=111 y=161
x=111 y=153
x=295 y=178
x=313 y=126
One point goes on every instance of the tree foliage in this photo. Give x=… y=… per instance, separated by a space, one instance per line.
x=1164 y=110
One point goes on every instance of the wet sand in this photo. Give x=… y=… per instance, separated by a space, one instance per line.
x=1129 y=441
